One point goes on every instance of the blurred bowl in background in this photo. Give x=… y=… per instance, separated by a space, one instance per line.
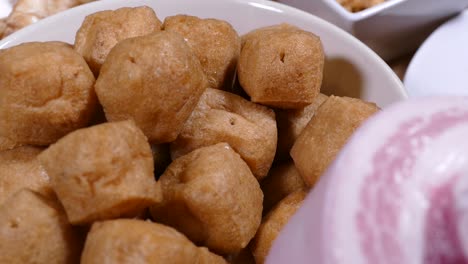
x=440 y=66
x=391 y=29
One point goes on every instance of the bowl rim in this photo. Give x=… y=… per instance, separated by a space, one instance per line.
x=265 y=4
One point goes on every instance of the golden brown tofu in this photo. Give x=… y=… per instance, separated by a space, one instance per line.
x=8 y=144
x=282 y=180
x=281 y=66
x=220 y=116
x=156 y=80
x=20 y=168
x=273 y=223
x=291 y=123
x=134 y=241
x=102 y=172
x=34 y=229
x=47 y=92
x=101 y=31
x=212 y=197
x=326 y=133
x=215 y=43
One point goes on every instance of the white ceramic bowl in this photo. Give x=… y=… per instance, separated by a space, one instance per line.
x=392 y=28
x=351 y=68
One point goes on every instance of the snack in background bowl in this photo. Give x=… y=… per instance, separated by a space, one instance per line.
x=359 y=5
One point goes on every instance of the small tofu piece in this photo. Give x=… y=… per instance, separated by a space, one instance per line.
x=129 y=241
x=101 y=31
x=282 y=180
x=281 y=66
x=102 y=172
x=359 y=5
x=215 y=43
x=291 y=123
x=47 y=91
x=156 y=80
x=34 y=229
x=212 y=197
x=250 y=129
x=326 y=133
x=19 y=169
x=273 y=223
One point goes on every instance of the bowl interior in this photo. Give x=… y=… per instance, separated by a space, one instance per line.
x=351 y=68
